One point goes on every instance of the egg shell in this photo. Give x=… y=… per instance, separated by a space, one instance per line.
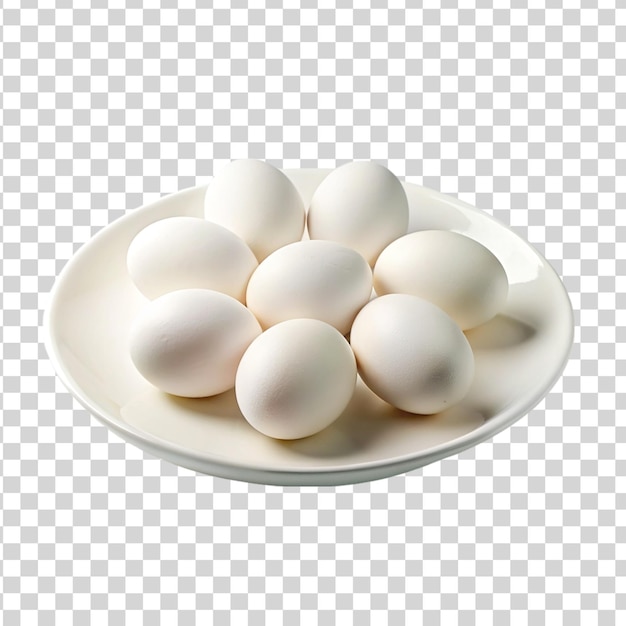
x=189 y=342
x=453 y=271
x=361 y=205
x=187 y=253
x=313 y=279
x=258 y=203
x=295 y=379
x=411 y=354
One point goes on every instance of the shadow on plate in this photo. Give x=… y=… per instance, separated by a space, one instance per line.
x=368 y=421
x=221 y=407
x=499 y=333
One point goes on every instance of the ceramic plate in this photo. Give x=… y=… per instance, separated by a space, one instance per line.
x=520 y=354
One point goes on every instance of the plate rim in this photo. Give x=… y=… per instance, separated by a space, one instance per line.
x=228 y=468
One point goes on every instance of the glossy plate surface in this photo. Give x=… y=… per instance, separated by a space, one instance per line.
x=520 y=354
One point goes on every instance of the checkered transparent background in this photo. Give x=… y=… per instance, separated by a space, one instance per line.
x=520 y=111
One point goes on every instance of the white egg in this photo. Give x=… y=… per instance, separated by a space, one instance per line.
x=317 y=279
x=187 y=253
x=411 y=354
x=189 y=342
x=361 y=205
x=451 y=270
x=295 y=379
x=258 y=203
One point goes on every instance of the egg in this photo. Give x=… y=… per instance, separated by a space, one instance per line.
x=189 y=342
x=258 y=203
x=451 y=270
x=412 y=354
x=322 y=280
x=361 y=205
x=186 y=253
x=295 y=379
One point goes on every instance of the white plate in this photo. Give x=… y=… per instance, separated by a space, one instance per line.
x=519 y=356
